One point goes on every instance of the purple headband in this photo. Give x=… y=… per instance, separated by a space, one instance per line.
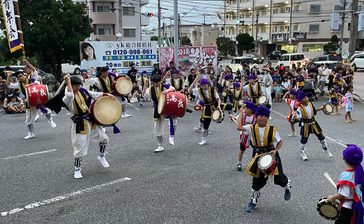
x=250 y=77
x=250 y=105
x=262 y=110
x=237 y=84
x=293 y=92
x=204 y=81
x=301 y=95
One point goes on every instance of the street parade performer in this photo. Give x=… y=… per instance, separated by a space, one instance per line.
x=31 y=112
x=78 y=102
x=293 y=104
x=253 y=89
x=350 y=187
x=154 y=92
x=263 y=138
x=246 y=117
x=306 y=116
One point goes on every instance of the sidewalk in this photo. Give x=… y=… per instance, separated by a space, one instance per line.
x=359 y=83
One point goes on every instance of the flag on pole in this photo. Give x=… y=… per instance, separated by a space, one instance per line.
x=12 y=32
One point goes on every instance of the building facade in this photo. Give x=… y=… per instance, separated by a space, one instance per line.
x=200 y=35
x=116 y=20
x=291 y=25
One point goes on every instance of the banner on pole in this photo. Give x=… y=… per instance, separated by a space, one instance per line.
x=12 y=33
x=119 y=55
x=188 y=57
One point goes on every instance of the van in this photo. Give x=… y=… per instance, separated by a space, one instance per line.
x=237 y=62
x=290 y=59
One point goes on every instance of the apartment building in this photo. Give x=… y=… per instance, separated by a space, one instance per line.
x=291 y=25
x=116 y=20
x=200 y=35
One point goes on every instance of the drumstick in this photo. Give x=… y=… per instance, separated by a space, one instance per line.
x=328 y=177
x=60 y=87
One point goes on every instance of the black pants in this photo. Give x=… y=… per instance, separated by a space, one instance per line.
x=319 y=136
x=228 y=96
x=345 y=216
x=281 y=179
x=208 y=113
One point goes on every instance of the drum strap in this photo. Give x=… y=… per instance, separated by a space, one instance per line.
x=106 y=87
x=254 y=93
x=211 y=99
x=155 y=96
x=22 y=86
x=269 y=134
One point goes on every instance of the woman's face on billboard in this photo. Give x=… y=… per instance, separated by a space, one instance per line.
x=89 y=51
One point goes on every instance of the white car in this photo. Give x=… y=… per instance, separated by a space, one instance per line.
x=237 y=62
x=357 y=61
x=290 y=59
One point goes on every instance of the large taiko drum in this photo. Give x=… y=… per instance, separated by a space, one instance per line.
x=37 y=94
x=122 y=85
x=106 y=111
x=172 y=104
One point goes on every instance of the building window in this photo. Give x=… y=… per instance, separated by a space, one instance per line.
x=338 y=7
x=103 y=30
x=286 y=28
x=314 y=28
x=296 y=8
x=312 y=47
x=130 y=33
x=263 y=29
x=275 y=10
x=295 y=27
x=315 y=8
x=288 y=9
x=128 y=11
x=103 y=7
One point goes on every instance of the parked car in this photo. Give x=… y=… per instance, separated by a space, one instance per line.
x=327 y=59
x=357 y=61
x=258 y=59
x=290 y=59
x=237 y=62
x=276 y=55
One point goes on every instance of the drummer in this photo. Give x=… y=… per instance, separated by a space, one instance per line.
x=350 y=187
x=104 y=82
x=31 y=112
x=253 y=89
x=264 y=139
x=211 y=102
x=154 y=92
x=78 y=102
x=293 y=104
x=237 y=96
x=245 y=117
x=226 y=80
x=306 y=113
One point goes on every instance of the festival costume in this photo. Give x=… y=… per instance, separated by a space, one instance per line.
x=309 y=125
x=350 y=186
x=226 y=85
x=209 y=100
x=83 y=129
x=154 y=93
x=254 y=92
x=237 y=96
x=262 y=141
x=31 y=112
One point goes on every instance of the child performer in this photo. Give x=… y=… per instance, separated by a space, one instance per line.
x=293 y=104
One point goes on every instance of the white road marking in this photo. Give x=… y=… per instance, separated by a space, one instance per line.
x=329 y=138
x=30 y=154
x=134 y=107
x=63 y=197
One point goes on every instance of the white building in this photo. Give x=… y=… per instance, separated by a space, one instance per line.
x=291 y=25
x=112 y=21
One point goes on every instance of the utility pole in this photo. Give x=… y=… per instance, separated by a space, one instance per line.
x=342 y=27
x=270 y=21
x=256 y=34
x=140 y=18
x=224 y=17
x=290 y=22
x=253 y=15
x=179 y=27
x=159 y=23
x=237 y=24
x=354 y=26
x=204 y=19
x=120 y=18
x=176 y=34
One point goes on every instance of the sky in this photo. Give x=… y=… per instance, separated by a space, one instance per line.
x=191 y=11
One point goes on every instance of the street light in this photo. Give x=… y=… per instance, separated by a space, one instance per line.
x=118 y=36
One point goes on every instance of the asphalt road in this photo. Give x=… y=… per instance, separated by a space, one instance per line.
x=187 y=183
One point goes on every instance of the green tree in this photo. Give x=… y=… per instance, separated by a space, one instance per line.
x=52 y=31
x=186 y=41
x=333 y=45
x=245 y=42
x=225 y=46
